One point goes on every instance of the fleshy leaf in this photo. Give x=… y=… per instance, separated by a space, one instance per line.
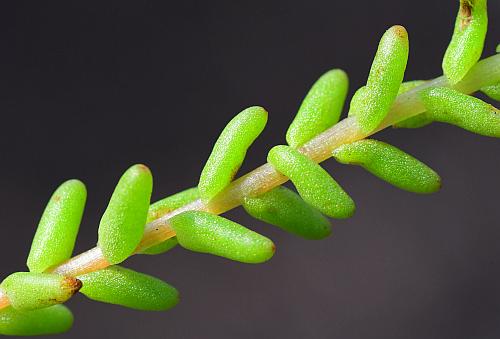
x=125 y=287
x=56 y=233
x=493 y=91
x=390 y=164
x=372 y=102
x=452 y=107
x=313 y=183
x=122 y=224
x=28 y=291
x=467 y=42
x=229 y=151
x=50 y=320
x=207 y=233
x=320 y=109
x=284 y=208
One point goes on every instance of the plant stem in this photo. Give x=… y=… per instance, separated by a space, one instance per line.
x=264 y=178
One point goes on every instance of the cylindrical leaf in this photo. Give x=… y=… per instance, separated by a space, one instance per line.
x=313 y=183
x=56 y=233
x=50 y=320
x=164 y=206
x=452 y=107
x=284 y=208
x=320 y=109
x=372 y=102
x=229 y=151
x=28 y=291
x=122 y=224
x=467 y=42
x=493 y=91
x=390 y=164
x=208 y=233
x=121 y=286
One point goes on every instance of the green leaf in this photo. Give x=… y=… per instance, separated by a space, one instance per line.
x=122 y=224
x=207 y=233
x=313 y=183
x=452 y=107
x=390 y=164
x=320 y=109
x=467 y=42
x=28 y=291
x=164 y=206
x=229 y=151
x=56 y=233
x=125 y=287
x=492 y=91
x=51 y=320
x=284 y=208
x=372 y=102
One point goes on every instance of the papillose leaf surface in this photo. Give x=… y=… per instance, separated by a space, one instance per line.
x=122 y=224
x=493 y=91
x=390 y=164
x=320 y=109
x=467 y=42
x=284 y=208
x=207 y=233
x=28 y=291
x=50 y=320
x=452 y=107
x=313 y=183
x=125 y=287
x=229 y=151
x=372 y=102
x=56 y=233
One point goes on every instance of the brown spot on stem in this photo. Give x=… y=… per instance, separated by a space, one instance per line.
x=465 y=13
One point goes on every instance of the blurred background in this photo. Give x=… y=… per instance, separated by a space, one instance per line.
x=89 y=88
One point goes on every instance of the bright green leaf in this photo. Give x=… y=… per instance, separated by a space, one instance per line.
x=284 y=208
x=125 y=287
x=50 y=320
x=56 y=233
x=229 y=151
x=28 y=291
x=207 y=233
x=372 y=102
x=313 y=183
x=320 y=109
x=452 y=107
x=122 y=224
x=390 y=164
x=467 y=42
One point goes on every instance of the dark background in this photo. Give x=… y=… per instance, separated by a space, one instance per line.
x=88 y=89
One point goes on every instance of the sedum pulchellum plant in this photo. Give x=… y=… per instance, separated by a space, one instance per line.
x=31 y=302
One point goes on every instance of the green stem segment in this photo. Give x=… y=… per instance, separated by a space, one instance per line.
x=264 y=178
